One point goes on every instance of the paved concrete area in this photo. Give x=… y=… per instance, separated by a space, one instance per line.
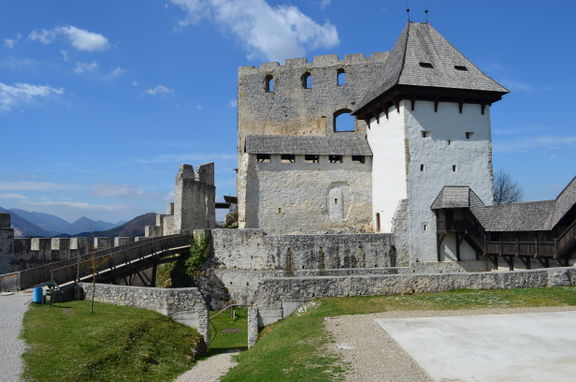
x=12 y=309
x=490 y=348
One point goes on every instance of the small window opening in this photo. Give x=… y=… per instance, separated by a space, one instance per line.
x=306 y=80
x=263 y=158
x=311 y=158
x=270 y=85
x=279 y=210
x=426 y=65
x=336 y=201
x=421 y=167
x=449 y=142
x=453 y=168
x=335 y=158
x=341 y=77
x=461 y=68
x=358 y=158
x=424 y=227
x=287 y=158
x=425 y=134
x=344 y=121
x=469 y=134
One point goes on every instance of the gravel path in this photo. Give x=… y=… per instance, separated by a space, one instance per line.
x=209 y=370
x=374 y=356
x=12 y=309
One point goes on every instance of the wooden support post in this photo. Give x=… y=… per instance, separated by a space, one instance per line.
x=458 y=246
x=154 y=269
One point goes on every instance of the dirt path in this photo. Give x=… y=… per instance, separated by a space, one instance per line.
x=374 y=356
x=12 y=309
x=210 y=369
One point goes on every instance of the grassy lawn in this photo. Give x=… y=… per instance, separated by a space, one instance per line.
x=292 y=349
x=67 y=343
x=230 y=333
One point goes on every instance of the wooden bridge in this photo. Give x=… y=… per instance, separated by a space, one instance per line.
x=123 y=262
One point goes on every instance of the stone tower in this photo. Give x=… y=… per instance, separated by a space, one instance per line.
x=194 y=197
x=428 y=126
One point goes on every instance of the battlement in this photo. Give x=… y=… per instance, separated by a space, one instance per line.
x=326 y=60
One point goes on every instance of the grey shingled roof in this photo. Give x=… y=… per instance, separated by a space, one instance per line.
x=337 y=144
x=420 y=42
x=564 y=201
x=529 y=216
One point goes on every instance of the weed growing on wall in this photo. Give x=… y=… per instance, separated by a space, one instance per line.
x=199 y=253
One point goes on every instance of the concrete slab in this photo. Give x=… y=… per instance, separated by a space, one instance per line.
x=491 y=348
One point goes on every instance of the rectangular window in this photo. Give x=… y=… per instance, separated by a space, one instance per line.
x=425 y=134
x=287 y=158
x=311 y=158
x=335 y=158
x=453 y=168
x=426 y=65
x=421 y=167
x=358 y=158
x=469 y=134
x=263 y=158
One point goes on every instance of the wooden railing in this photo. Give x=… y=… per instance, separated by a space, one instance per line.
x=42 y=274
x=521 y=248
x=567 y=238
x=121 y=257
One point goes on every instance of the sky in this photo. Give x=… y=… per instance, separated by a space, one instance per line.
x=102 y=100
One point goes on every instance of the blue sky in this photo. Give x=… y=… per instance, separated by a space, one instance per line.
x=101 y=100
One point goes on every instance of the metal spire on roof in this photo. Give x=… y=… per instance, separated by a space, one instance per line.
x=426 y=17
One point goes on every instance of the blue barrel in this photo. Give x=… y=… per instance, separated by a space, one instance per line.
x=38 y=295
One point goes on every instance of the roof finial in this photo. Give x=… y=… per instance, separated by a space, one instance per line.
x=408 y=13
x=426 y=13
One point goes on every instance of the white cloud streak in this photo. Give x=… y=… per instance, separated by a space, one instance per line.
x=183 y=158
x=12 y=96
x=83 y=67
x=275 y=33
x=159 y=90
x=121 y=191
x=535 y=143
x=30 y=186
x=11 y=42
x=77 y=205
x=80 y=39
x=12 y=196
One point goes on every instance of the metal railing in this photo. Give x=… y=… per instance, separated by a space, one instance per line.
x=123 y=256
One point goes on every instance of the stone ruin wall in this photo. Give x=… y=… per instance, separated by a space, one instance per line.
x=193 y=206
x=291 y=109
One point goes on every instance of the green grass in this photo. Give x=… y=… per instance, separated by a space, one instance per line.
x=67 y=343
x=230 y=333
x=294 y=349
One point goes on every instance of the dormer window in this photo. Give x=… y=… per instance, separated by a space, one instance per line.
x=461 y=68
x=426 y=65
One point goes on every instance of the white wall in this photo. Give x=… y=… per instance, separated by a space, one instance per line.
x=386 y=137
x=473 y=158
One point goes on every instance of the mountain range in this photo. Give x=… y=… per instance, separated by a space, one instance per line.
x=40 y=224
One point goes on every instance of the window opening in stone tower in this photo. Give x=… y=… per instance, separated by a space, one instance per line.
x=269 y=83
x=344 y=121
x=306 y=80
x=341 y=77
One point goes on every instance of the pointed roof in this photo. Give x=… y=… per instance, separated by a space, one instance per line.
x=422 y=57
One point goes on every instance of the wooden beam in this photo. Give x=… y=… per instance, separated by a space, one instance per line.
x=436 y=102
x=460 y=106
x=483 y=108
x=458 y=246
x=413 y=103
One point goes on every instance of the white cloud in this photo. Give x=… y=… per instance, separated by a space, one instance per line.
x=11 y=42
x=80 y=39
x=12 y=196
x=30 y=186
x=533 y=143
x=186 y=158
x=12 y=96
x=77 y=205
x=324 y=3
x=120 y=191
x=65 y=55
x=83 y=67
x=116 y=72
x=233 y=103
x=274 y=33
x=159 y=90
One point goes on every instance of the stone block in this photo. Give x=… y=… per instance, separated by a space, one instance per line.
x=102 y=243
x=4 y=220
x=118 y=241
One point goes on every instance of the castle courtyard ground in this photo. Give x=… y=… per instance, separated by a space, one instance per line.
x=489 y=345
x=12 y=309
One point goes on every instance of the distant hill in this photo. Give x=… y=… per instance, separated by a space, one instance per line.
x=56 y=225
x=134 y=227
x=22 y=227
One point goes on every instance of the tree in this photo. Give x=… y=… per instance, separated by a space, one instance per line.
x=506 y=189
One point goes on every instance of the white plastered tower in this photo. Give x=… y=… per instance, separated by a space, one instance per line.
x=429 y=126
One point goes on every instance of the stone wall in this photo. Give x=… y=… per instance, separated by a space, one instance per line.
x=313 y=197
x=185 y=305
x=242 y=257
x=6 y=243
x=293 y=109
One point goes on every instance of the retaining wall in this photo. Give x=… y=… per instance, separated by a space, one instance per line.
x=185 y=305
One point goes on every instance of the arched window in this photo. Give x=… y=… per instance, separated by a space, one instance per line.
x=344 y=121
x=269 y=83
x=341 y=77
x=306 y=80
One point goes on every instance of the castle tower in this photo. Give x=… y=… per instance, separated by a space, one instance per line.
x=428 y=126
x=194 y=197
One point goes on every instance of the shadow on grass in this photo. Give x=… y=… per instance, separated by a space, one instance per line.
x=216 y=351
